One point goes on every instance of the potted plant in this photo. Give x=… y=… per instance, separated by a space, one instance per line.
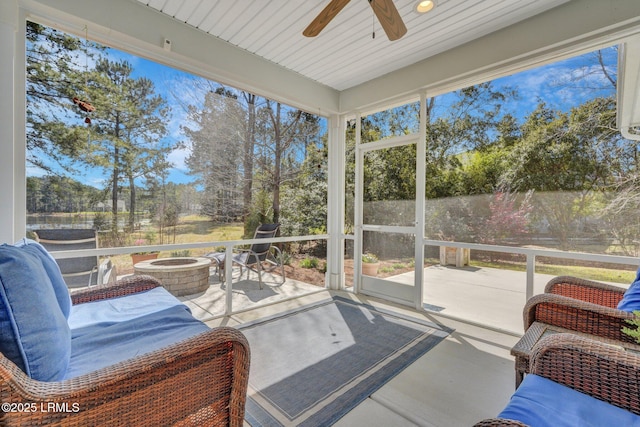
x=370 y=264
x=137 y=257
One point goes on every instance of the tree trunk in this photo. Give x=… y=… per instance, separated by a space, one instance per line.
x=277 y=168
x=114 y=191
x=249 y=143
x=132 y=203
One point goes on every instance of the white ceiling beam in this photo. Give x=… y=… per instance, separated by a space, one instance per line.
x=541 y=39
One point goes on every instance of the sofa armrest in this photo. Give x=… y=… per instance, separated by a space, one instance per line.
x=499 y=422
x=606 y=372
x=577 y=316
x=125 y=286
x=201 y=381
x=586 y=290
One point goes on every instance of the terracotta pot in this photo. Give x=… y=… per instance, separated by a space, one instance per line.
x=370 y=268
x=136 y=258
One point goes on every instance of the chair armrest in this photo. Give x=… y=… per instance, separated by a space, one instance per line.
x=577 y=316
x=252 y=256
x=198 y=381
x=586 y=290
x=107 y=272
x=125 y=286
x=603 y=371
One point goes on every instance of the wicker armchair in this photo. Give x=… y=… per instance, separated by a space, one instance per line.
x=579 y=305
x=602 y=371
x=585 y=290
x=201 y=381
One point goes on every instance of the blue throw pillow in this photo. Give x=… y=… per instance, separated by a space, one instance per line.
x=53 y=271
x=34 y=333
x=631 y=299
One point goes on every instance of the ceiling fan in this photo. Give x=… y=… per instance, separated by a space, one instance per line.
x=385 y=10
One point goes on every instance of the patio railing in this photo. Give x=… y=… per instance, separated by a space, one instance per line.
x=531 y=255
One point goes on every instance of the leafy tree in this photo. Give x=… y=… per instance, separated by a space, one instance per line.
x=277 y=138
x=53 y=193
x=304 y=200
x=127 y=126
x=54 y=72
x=469 y=122
x=567 y=157
x=506 y=219
x=216 y=140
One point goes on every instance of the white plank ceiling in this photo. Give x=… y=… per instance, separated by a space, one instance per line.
x=345 y=54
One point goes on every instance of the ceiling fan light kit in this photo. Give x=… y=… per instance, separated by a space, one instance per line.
x=385 y=11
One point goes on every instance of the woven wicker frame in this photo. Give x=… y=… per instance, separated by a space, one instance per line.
x=605 y=372
x=201 y=381
x=580 y=305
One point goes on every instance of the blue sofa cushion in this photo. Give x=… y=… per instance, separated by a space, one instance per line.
x=100 y=346
x=631 y=299
x=541 y=402
x=53 y=271
x=34 y=333
x=85 y=317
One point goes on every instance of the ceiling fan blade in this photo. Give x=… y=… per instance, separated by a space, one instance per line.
x=389 y=18
x=328 y=13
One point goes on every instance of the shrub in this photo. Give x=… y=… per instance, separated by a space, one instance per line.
x=284 y=258
x=633 y=332
x=369 y=258
x=183 y=253
x=309 y=263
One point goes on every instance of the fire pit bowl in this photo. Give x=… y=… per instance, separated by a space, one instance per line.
x=180 y=276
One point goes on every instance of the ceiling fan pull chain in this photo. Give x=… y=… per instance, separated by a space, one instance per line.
x=373 y=24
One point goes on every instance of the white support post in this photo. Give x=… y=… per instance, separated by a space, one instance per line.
x=421 y=153
x=531 y=271
x=334 y=277
x=9 y=90
x=357 y=232
x=228 y=276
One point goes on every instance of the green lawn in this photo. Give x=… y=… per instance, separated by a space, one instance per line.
x=190 y=229
x=592 y=273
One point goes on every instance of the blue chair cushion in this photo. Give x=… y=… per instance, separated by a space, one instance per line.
x=106 y=312
x=53 y=271
x=34 y=333
x=101 y=346
x=631 y=299
x=541 y=402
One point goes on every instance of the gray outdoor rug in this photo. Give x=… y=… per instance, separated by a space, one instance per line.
x=312 y=366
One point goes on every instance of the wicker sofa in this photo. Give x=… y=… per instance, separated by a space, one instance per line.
x=575 y=381
x=136 y=355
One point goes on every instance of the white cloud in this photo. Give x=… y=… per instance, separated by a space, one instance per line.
x=178 y=158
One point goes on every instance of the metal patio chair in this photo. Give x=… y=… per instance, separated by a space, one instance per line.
x=259 y=258
x=81 y=271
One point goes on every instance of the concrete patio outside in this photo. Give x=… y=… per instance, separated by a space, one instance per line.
x=485 y=296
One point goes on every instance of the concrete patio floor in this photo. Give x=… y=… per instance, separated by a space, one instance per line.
x=246 y=295
x=487 y=296
x=466 y=378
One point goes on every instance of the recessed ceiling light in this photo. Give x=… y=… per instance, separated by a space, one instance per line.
x=425 y=6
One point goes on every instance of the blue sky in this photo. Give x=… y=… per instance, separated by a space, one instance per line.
x=555 y=83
